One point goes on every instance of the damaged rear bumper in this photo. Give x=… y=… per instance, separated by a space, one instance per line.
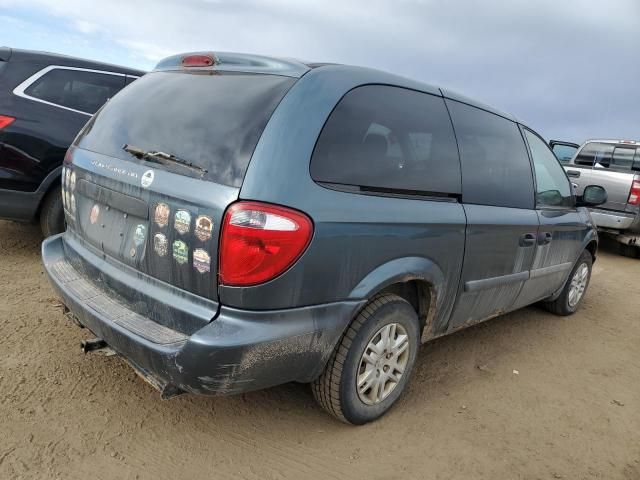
x=237 y=351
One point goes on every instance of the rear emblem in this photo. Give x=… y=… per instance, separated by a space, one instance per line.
x=201 y=260
x=182 y=221
x=180 y=252
x=147 y=178
x=162 y=214
x=139 y=235
x=95 y=213
x=160 y=244
x=204 y=225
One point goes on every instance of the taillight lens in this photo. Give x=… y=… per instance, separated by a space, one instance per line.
x=634 y=195
x=260 y=241
x=198 y=61
x=6 y=121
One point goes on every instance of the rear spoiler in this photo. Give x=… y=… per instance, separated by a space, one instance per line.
x=5 y=54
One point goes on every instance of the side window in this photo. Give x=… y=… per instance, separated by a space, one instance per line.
x=76 y=89
x=595 y=154
x=622 y=158
x=495 y=165
x=383 y=137
x=552 y=186
x=564 y=153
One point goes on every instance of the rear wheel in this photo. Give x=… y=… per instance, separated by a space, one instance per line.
x=574 y=290
x=371 y=365
x=52 y=213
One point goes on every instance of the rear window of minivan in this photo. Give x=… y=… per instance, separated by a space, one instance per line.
x=210 y=119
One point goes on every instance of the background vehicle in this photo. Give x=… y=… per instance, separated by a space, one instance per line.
x=615 y=165
x=563 y=150
x=45 y=99
x=376 y=212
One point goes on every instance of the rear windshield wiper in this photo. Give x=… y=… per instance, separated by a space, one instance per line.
x=162 y=158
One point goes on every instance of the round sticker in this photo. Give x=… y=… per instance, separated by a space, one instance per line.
x=147 y=178
x=161 y=215
x=182 y=221
x=160 y=244
x=139 y=235
x=93 y=215
x=180 y=252
x=201 y=260
x=204 y=225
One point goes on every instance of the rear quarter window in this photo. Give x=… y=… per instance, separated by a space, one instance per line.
x=388 y=138
x=495 y=163
x=211 y=119
x=79 y=90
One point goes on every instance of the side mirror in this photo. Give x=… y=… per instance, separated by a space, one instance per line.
x=592 y=196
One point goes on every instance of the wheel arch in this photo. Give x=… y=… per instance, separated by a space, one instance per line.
x=416 y=279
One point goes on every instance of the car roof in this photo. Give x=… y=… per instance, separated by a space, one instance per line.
x=250 y=63
x=15 y=54
x=615 y=142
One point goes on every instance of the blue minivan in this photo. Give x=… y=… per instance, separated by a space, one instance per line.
x=235 y=222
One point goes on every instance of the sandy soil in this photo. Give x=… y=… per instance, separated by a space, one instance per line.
x=572 y=411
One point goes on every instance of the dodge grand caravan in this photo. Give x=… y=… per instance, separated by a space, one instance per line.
x=236 y=222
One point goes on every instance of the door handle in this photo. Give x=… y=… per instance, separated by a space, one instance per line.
x=527 y=240
x=544 y=238
x=573 y=173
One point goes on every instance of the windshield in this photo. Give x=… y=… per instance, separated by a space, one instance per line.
x=211 y=120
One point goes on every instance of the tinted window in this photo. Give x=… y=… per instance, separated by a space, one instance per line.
x=83 y=91
x=552 y=187
x=211 y=120
x=495 y=164
x=595 y=153
x=391 y=138
x=564 y=152
x=622 y=158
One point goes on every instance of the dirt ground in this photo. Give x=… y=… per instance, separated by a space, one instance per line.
x=571 y=411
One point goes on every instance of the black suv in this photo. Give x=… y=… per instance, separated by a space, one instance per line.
x=45 y=99
x=236 y=222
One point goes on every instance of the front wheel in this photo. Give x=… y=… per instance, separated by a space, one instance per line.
x=371 y=365
x=574 y=290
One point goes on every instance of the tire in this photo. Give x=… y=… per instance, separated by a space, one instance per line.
x=336 y=390
x=566 y=305
x=630 y=251
x=52 y=213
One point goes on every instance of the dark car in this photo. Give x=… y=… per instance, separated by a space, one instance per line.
x=45 y=99
x=237 y=222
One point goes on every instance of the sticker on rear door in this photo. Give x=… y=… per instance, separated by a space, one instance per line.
x=160 y=244
x=139 y=235
x=182 y=221
x=201 y=260
x=94 y=214
x=204 y=225
x=147 y=178
x=161 y=215
x=180 y=252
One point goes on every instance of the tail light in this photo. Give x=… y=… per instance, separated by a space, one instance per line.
x=634 y=195
x=6 y=121
x=260 y=241
x=198 y=61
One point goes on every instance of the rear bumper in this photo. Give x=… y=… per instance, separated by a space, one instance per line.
x=237 y=351
x=616 y=220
